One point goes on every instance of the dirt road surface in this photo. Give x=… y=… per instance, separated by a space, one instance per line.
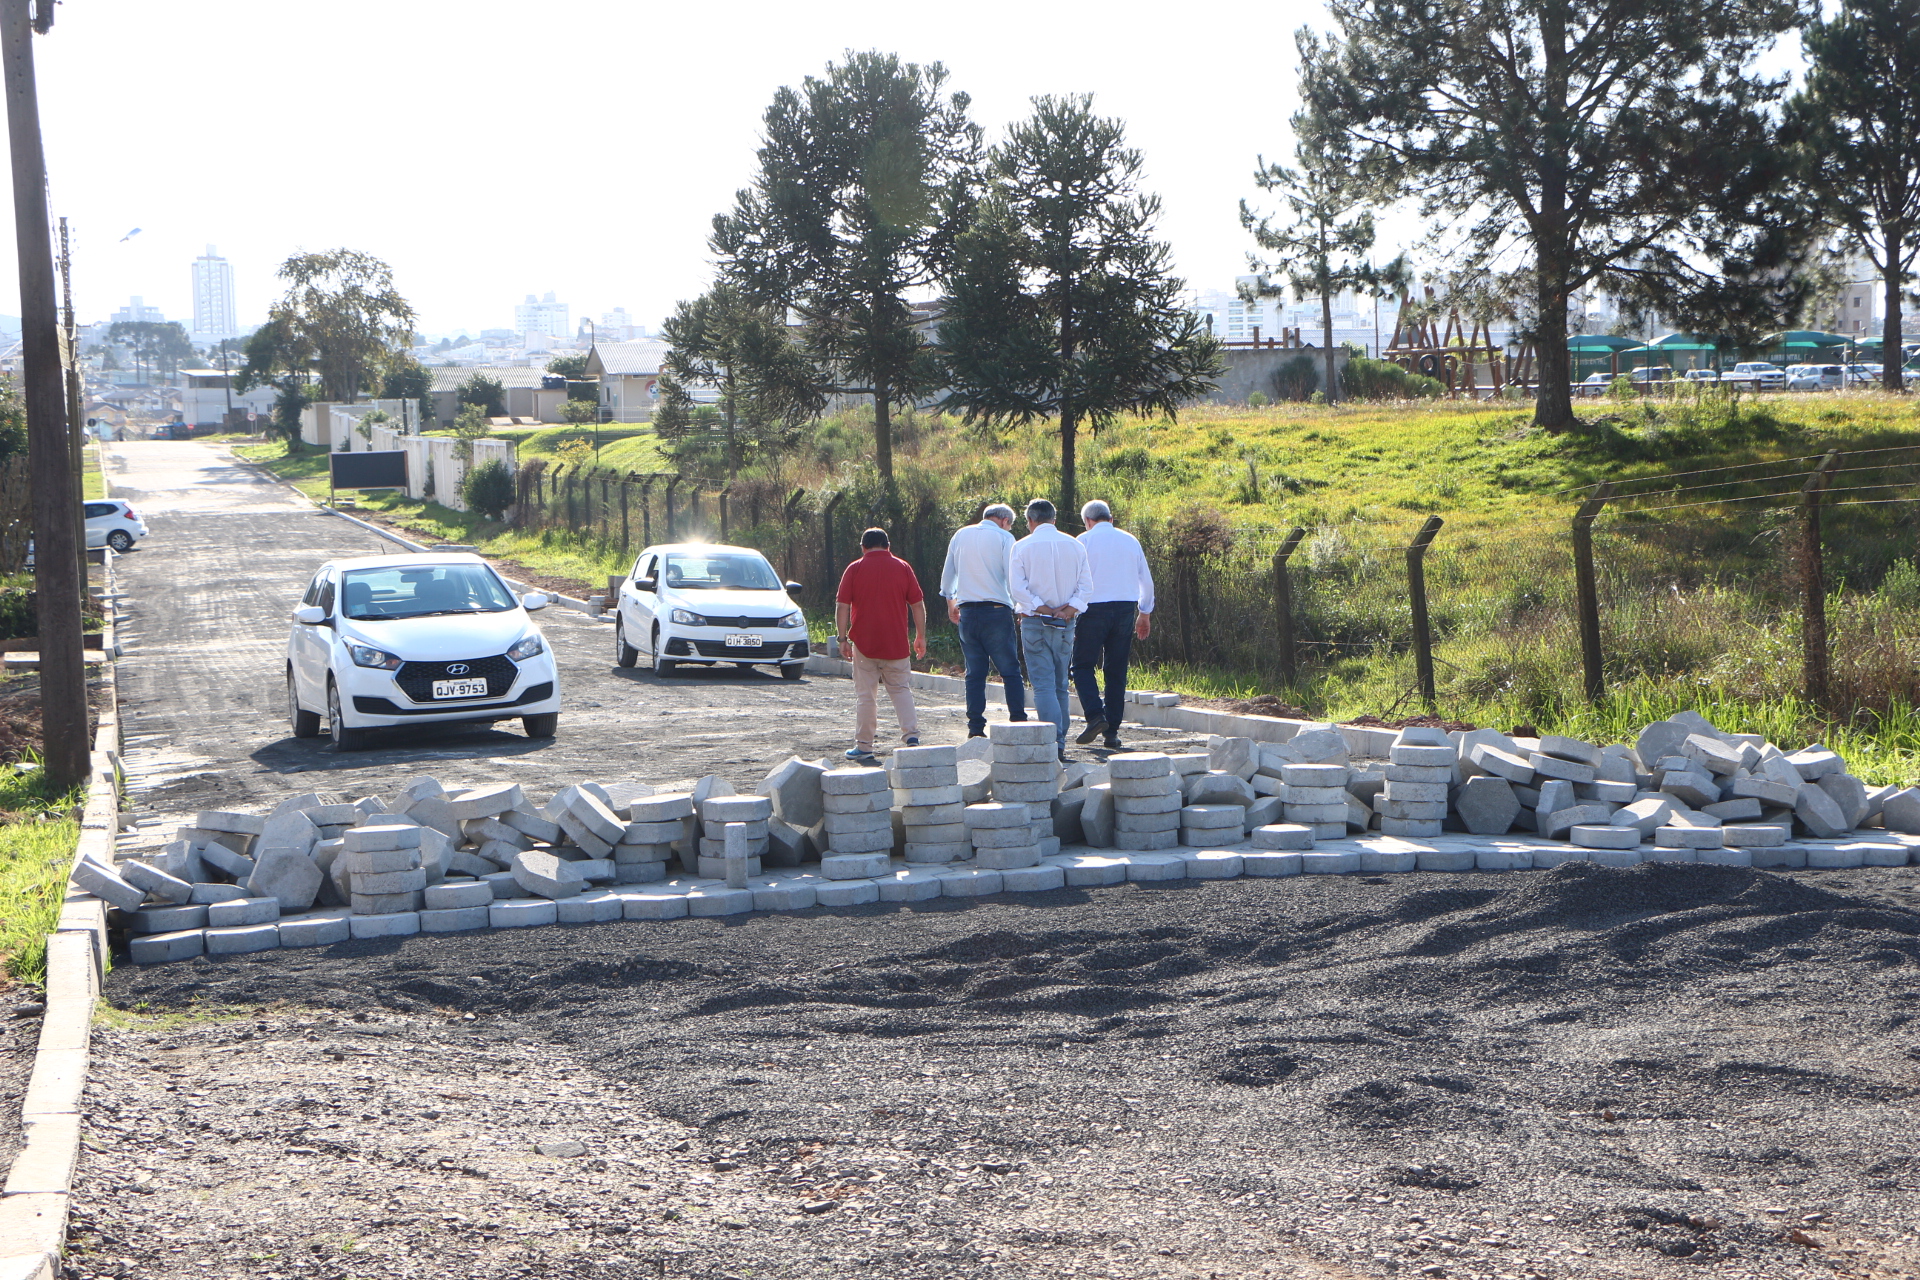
x=1660 y=1072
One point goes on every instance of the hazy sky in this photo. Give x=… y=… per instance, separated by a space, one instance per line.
x=488 y=150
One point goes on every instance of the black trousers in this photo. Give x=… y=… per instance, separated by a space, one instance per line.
x=1103 y=638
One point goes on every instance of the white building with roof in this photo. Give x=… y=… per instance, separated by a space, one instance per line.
x=629 y=374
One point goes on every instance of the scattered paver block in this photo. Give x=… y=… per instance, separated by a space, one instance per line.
x=293 y=830
x=1711 y=754
x=168 y=919
x=316 y=929
x=243 y=911
x=162 y=948
x=243 y=940
x=1486 y=805
x=289 y=877
x=542 y=875
x=854 y=866
x=381 y=837
x=156 y=883
x=206 y=894
x=1815 y=763
x=970 y=882
x=719 y=901
x=654 y=906
x=1816 y=811
x=1501 y=763
x=1330 y=862
x=247 y=824
x=392 y=924
x=486 y=802
x=1594 y=836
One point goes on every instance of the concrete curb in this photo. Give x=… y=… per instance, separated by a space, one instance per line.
x=38 y=1193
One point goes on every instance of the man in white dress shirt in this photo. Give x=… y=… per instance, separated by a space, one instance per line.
x=1119 y=609
x=1051 y=583
x=976 y=584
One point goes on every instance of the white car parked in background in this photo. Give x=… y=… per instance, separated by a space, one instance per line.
x=112 y=523
x=696 y=603
x=384 y=641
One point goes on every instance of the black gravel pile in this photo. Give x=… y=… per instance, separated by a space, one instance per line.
x=1527 y=1074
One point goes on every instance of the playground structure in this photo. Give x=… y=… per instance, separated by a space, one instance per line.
x=1456 y=353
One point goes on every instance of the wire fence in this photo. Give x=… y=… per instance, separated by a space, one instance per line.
x=1688 y=573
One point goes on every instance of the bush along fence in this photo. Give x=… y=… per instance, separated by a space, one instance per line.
x=1788 y=578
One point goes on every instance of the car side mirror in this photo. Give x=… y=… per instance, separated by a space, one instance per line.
x=533 y=600
x=311 y=615
x=647 y=584
x=794 y=588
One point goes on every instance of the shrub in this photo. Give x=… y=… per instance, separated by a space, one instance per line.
x=1257 y=400
x=488 y=489
x=1296 y=379
x=1383 y=380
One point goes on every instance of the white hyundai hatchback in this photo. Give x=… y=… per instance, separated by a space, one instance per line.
x=385 y=641
x=698 y=604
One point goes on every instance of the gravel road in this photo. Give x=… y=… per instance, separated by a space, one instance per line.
x=1660 y=1072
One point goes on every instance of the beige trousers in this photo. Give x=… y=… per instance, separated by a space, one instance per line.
x=868 y=675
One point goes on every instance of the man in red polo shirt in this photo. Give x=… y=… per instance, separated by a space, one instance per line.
x=878 y=596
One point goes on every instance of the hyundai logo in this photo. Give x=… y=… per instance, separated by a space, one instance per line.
x=457 y=668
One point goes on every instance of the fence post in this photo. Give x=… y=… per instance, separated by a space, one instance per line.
x=626 y=547
x=1417 y=591
x=1587 y=592
x=826 y=537
x=673 y=482
x=1813 y=587
x=1283 y=603
x=606 y=504
x=726 y=496
x=646 y=510
x=792 y=513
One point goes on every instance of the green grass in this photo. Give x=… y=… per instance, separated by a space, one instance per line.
x=92 y=483
x=34 y=857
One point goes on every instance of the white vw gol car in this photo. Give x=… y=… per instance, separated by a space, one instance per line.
x=431 y=639
x=692 y=603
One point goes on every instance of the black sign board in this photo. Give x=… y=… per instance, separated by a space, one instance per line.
x=385 y=470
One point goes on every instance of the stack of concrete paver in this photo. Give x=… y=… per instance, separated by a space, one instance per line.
x=1146 y=801
x=1001 y=834
x=657 y=827
x=1025 y=769
x=930 y=804
x=857 y=823
x=716 y=814
x=1420 y=767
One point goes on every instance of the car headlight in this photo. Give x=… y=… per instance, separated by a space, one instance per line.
x=527 y=648
x=366 y=657
x=687 y=618
x=794 y=619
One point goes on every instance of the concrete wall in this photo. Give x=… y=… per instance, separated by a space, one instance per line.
x=1251 y=369
x=441 y=453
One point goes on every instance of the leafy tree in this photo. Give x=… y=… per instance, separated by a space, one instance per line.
x=1062 y=304
x=866 y=181
x=766 y=383
x=13 y=421
x=160 y=344
x=485 y=392
x=407 y=379
x=469 y=424
x=572 y=368
x=488 y=489
x=581 y=413
x=345 y=311
x=673 y=415
x=1859 y=117
x=1323 y=248
x=1623 y=144
x=279 y=356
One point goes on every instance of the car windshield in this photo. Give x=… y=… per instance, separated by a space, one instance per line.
x=420 y=590
x=718 y=571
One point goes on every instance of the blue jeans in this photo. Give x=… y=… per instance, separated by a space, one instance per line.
x=1104 y=639
x=986 y=635
x=1049 y=651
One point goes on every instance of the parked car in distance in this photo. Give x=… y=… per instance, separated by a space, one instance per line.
x=112 y=523
x=1701 y=375
x=436 y=638
x=1757 y=373
x=696 y=603
x=1816 y=377
x=1594 y=384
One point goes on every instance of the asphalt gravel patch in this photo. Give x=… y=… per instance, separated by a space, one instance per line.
x=1579 y=1072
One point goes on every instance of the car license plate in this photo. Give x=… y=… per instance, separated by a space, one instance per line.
x=745 y=640
x=459 y=688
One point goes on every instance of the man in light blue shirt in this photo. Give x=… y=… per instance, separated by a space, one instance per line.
x=976 y=582
x=1051 y=583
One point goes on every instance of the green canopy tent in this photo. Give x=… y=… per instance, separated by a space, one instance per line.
x=1676 y=351
x=1594 y=353
x=1802 y=346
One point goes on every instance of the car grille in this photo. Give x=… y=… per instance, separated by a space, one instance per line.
x=416 y=678
x=720 y=649
x=744 y=624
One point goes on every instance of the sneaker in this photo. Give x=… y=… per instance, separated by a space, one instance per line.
x=1093 y=730
x=913 y=742
x=1063 y=756
x=1113 y=744
x=862 y=757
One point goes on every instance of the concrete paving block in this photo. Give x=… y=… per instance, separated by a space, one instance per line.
x=1359 y=814
x=938 y=852
x=452 y=919
x=542 y=875
x=1849 y=793
x=1317 y=746
x=1213 y=864
x=1711 y=755
x=1422 y=735
x=782 y=893
x=588 y=908
x=1091 y=870
x=905 y=797
x=294 y=831
x=376 y=861
x=1779 y=857
x=1554 y=794
x=1316 y=776
x=1759 y=835
x=1606 y=792
x=1502 y=860
x=1388 y=861
x=161 y=948
x=1672 y=837
x=456 y=894
x=1150 y=867
x=1545 y=766
x=913 y=885
x=851 y=843
x=1239 y=757
x=521 y=913
x=1269 y=864
x=1022 y=733
x=1138 y=764
x=1555 y=825
x=1283 y=835
x=504 y=885
x=1440 y=860
x=1874 y=853
x=181 y=860
x=1330 y=862
x=167 y=919
x=383 y=904
x=850 y=823
x=1547 y=859
x=1414 y=828
x=856 y=866
x=975 y=778
x=1218 y=788
x=1835 y=856
x=1660 y=738
x=1034 y=879
x=716 y=868
x=1143 y=788
x=1097 y=814
x=1003 y=858
x=1003 y=773
x=934 y=815
x=639 y=872
x=996 y=816
x=1213 y=816
x=1563 y=748
x=243 y=911
x=368 y=808
x=1265 y=810
x=1486 y=805
x=577 y=831
x=926 y=757
x=1901 y=811
x=381 y=837
x=1742 y=809
x=654 y=906
x=1662 y=853
x=1819 y=814
x=970 y=882
x=1645 y=815
x=1145 y=841
x=1064 y=812
x=847 y=782
x=248 y=824
x=721 y=810
x=206 y=894
x=755 y=834
x=243 y=939
x=668 y=807
x=847 y=893
x=291 y=877
x=369 y=884
x=482 y=830
x=1597 y=836
x=304 y=801
x=663 y=832
x=1499 y=763
x=316 y=928
x=1725 y=857
x=1020 y=792
x=1812 y=764
x=1614 y=857
x=1442 y=774
x=156 y=883
x=1135 y=823
x=787 y=845
x=1414 y=756
x=1386 y=807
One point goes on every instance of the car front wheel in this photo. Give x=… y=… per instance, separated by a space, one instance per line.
x=542 y=726
x=306 y=724
x=661 y=663
x=344 y=738
x=623 y=653
x=121 y=541
x=793 y=670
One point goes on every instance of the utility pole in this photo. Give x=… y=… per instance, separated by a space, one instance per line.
x=63 y=684
x=76 y=408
